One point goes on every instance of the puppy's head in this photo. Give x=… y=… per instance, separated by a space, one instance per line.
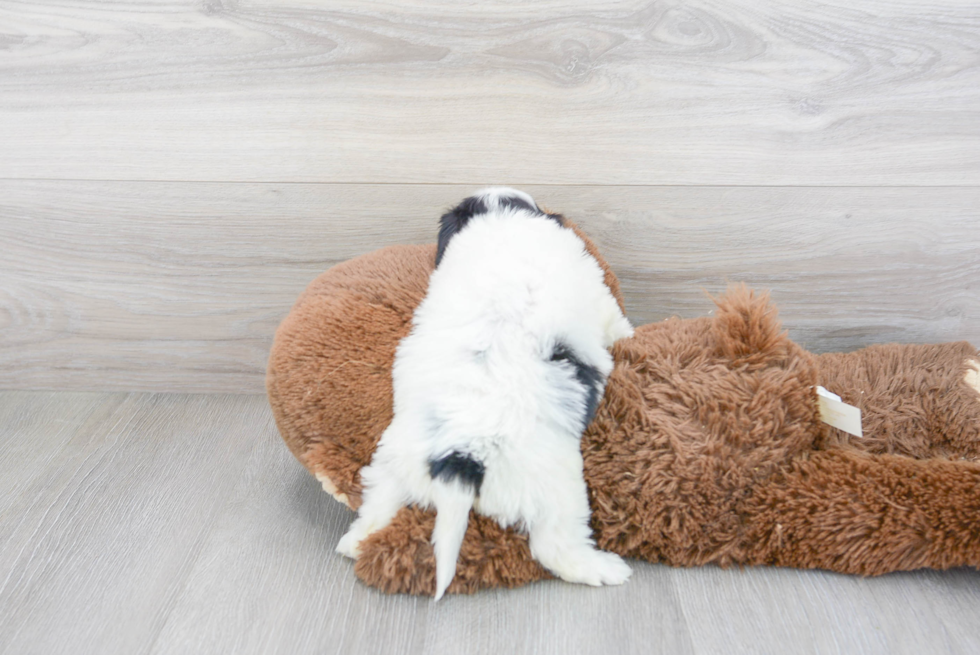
x=494 y=199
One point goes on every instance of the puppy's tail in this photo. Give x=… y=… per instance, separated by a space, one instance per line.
x=456 y=480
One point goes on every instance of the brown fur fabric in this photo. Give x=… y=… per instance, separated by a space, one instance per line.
x=707 y=447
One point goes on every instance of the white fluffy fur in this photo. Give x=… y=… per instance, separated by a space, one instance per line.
x=474 y=376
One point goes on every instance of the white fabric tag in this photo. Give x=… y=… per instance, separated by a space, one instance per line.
x=839 y=414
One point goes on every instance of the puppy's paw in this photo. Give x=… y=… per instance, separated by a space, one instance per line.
x=593 y=567
x=349 y=544
x=611 y=568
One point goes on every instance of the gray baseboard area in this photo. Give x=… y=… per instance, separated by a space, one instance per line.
x=159 y=286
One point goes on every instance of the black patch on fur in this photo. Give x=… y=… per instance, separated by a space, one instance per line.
x=453 y=221
x=589 y=376
x=513 y=202
x=457 y=466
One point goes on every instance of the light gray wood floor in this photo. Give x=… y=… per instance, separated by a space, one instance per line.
x=170 y=523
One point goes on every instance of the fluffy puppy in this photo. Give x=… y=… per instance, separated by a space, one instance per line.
x=502 y=371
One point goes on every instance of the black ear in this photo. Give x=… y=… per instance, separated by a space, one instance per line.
x=452 y=222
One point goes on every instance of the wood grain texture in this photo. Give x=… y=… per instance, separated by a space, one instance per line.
x=37 y=433
x=181 y=524
x=847 y=267
x=180 y=286
x=701 y=92
x=777 y=611
x=95 y=548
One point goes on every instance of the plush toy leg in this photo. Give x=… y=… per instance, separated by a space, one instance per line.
x=922 y=401
x=853 y=512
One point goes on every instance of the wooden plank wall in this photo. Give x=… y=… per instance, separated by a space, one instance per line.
x=173 y=173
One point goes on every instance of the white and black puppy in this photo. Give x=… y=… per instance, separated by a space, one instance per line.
x=503 y=369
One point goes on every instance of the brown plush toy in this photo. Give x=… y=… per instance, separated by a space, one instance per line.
x=707 y=447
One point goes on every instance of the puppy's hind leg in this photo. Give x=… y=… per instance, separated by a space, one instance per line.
x=561 y=539
x=383 y=497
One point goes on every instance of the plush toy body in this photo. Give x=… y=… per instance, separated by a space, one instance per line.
x=707 y=447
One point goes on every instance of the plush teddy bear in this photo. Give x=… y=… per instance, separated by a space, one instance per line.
x=708 y=446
